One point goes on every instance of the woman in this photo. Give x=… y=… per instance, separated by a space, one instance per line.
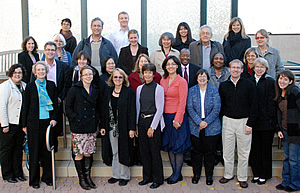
x=39 y=111
x=236 y=41
x=249 y=58
x=136 y=78
x=263 y=131
x=204 y=106
x=166 y=41
x=28 y=57
x=118 y=125
x=11 y=134
x=107 y=69
x=218 y=72
x=130 y=53
x=82 y=108
x=272 y=55
x=183 y=36
x=288 y=115
x=150 y=122
x=176 y=135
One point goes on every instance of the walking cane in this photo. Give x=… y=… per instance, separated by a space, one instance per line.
x=52 y=154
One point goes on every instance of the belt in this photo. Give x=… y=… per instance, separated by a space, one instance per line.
x=146 y=116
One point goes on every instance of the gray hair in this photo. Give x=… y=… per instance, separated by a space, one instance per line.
x=206 y=26
x=95 y=19
x=62 y=39
x=42 y=63
x=169 y=35
x=262 y=61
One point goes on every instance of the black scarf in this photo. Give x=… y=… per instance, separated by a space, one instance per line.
x=234 y=38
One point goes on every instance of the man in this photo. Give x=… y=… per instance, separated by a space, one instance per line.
x=98 y=47
x=119 y=38
x=66 y=32
x=203 y=50
x=238 y=99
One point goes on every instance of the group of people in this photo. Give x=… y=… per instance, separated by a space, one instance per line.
x=201 y=97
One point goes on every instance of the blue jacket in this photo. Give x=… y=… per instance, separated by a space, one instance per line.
x=212 y=109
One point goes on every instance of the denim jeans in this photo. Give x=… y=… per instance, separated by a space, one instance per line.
x=291 y=164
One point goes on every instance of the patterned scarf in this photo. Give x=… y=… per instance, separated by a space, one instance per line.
x=44 y=98
x=66 y=36
x=113 y=121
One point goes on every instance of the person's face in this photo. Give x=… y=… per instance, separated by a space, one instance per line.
x=30 y=45
x=184 y=57
x=166 y=42
x=87 y=76
x=236 y=27
x=183 y=32
x=40 y=71
x=110 y=66
x=202 y=79
x=142 y=61
x=284 y=82
x=218 y=61
x=17 y=75
x=58 y=42
x=81 y=62
x=250 y=57
x=118 y=78
x=65 y=26
x=123 y=20
x=96 y=28
x=261 y=40
x=49 y=52
x=133 y=39
x=171 y=66
x=205 y=35
x=148 y=76
x=259 y=69
x=235 y=70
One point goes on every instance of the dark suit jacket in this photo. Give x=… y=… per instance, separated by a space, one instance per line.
x=25 y=60
x=193 y=69
x=125 y=59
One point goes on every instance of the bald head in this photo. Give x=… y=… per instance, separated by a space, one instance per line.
x=184 y=56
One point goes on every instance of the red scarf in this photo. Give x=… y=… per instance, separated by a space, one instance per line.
x=66 y=36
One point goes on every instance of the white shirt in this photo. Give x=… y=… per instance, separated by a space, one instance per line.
x=119 y=39
x=202 y=94
x=52 y=72
x=187 y=70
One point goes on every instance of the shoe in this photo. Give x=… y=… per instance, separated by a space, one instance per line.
x=154 y=185
x=12 y=180
x=280 y=187
x=88 y=161
x=48 y=183
x=123 y=182
x=112 y=180
x=289 y=189
x=170 y=181
x=36 y=186
x=209 y=180
x=79 y=165
x=243 y=184
x=167 y=179
x=144 y=182
x=188 y=162
x=225 y=180
x=255 y=180
x=22 y=179
x=195 y=179
x=261 y=181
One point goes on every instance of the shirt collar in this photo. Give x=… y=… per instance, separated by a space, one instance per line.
x=53 y=65
x=92 y=40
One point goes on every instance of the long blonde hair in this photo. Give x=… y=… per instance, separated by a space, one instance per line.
x=243 y=32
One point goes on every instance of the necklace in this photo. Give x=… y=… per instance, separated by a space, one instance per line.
x=116 y=92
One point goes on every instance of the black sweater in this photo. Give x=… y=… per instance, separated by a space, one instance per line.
x=239 y=101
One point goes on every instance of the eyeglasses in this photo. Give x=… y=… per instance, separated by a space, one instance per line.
x=87 y=75
x=118 y=77
x=66 y=24
x=18 y=73
x=50 y=50
x=260 y=38
x=205 y=33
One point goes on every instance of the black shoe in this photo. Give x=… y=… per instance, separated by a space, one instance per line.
x=195 y=179
x=209 y=180
x=167 y=179
x=12 y=180
x=22 y=179
x=48 y=183
x=79 y=165
x=180 y=178
x=154 y=185
x=188 y=162
x=88 y=161
x=289 y=189
x=112 y=180
x=123 y=182
x=36 y=186
x=144 y=182
x=261 y=182
x=254 y=180
x=280 y=187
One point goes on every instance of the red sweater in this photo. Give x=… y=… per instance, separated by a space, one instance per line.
x=135 y=80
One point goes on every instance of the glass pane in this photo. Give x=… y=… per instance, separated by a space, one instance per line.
x=164 y=16
x=11 y=25
x=45 y=19
x=218 y=17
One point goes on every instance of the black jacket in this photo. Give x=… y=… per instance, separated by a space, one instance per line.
x=125 y=59
x=71 y=45
x=193 y=69
x=82 y=109
x=25 y=60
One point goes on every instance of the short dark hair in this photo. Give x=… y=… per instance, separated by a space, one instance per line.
x=176 y=60
x=25 y=42
x=287 y=73
x=66 y=20
x=150 y=67
x=12 y=69
x=87 y=67
x=202 y=71
x=85 y=55
x=95 y=19
x=212 y=59
x=50 y=43
x=103 y=68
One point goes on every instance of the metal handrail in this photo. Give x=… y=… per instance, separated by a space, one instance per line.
x=52 y=154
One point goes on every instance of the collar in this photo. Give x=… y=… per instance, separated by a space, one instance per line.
x=92 y=40
x=50 y=66
x=235 y=83
x=187 y=66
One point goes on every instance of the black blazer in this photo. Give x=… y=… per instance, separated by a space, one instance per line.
x=193 y=69
x=125 y=59
x=25 y=60
x=30 y=105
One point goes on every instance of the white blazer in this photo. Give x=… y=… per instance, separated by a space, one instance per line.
x=10 y=103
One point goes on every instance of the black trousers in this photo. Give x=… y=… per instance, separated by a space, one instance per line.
x=261 y=153
x=150 y=151
x=38 y=153
x=203 y=147
x=11 y=146
x=58 y=129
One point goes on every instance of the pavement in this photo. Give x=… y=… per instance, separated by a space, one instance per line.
x=70 y=185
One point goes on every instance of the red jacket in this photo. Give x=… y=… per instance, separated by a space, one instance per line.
x=135 y=80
